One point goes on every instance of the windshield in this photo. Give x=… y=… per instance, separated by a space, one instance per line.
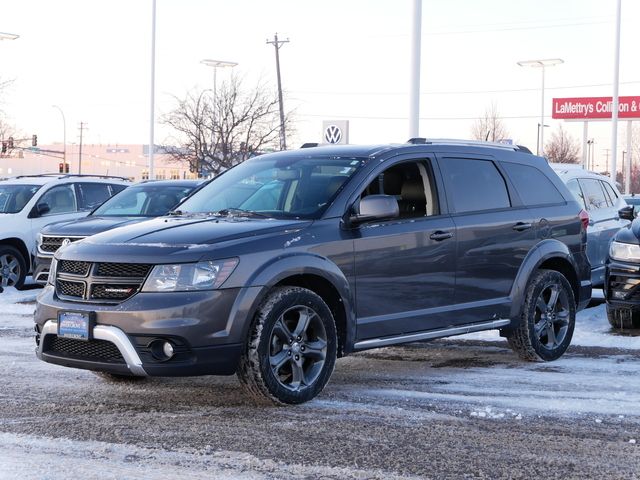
x=275 y=187
x=13 y=198
x=144 y=201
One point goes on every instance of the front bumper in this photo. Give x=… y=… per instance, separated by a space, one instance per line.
x=622 y=284
x=41 y=270
x=206 y=329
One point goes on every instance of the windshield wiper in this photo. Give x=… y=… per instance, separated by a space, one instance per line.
x=175 y=212
x=240 y=212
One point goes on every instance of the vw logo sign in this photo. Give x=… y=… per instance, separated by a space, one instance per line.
x=333 y=134
x=65 y=242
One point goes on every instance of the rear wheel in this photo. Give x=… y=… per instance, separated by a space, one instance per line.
x=548 y=318
x=623 y=318
x=13 y=268
x=291 y=349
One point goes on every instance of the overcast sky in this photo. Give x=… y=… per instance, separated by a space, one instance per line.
x=346 y=59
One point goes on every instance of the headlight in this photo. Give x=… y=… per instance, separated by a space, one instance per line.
x=189 y=276
x=51 y=279
x=627 y=252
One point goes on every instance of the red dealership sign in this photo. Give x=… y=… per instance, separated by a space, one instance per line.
x=591 y=108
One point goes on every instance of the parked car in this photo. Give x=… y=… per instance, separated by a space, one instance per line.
x=600 y=196
x=634 y=200
x=622 y=291
x=30 y=202
x=135 y=204
x=330 y=251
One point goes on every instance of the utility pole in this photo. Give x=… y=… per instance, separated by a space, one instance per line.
x=278 y=44
x=83 y=126
x=606 y=161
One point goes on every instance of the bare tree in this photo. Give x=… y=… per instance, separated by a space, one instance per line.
x=489 y=127
x=213 y=134
x=562 y=148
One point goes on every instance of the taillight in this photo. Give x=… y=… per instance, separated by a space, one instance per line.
x=584 y=218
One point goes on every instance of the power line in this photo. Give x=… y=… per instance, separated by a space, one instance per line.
x=467 y=92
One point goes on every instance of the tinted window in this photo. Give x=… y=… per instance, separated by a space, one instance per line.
x=532 y=185
x=593 y=193
x=60 y=199
x=93 y=194
x=576 y=191
x=475 y=184
x=144 y=201
x=13 y=198
x=613 y=196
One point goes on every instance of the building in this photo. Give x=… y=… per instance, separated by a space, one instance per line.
x=130 y=161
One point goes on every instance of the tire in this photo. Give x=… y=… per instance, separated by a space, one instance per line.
x=548 y=318
x=623 y=318
x=118 y=378
x=291 y=348
x=13 y=268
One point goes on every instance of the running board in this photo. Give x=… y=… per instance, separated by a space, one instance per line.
x=445 y=332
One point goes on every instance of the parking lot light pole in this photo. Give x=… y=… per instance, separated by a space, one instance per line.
x=541 y=64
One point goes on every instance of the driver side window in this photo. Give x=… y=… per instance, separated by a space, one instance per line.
x=60 y=199
x=411 y=184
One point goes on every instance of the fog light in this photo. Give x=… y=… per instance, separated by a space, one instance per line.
x=162 y=350
x=167 y=349
x=619 y=295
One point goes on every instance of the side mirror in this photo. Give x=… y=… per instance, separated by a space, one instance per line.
x=376 y=207
x=626 y=213
x=42 y=208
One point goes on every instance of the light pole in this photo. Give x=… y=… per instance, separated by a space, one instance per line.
x=8 y=36
x=538 y=138
x=152 y=115
x=215 y=64
x=64 y=139
x=541 y=64
x=414 y=81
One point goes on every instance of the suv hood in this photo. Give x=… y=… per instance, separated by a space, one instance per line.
x=88 y=225
x=177 y=239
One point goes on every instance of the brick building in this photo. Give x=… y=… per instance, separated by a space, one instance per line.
x=121 y=160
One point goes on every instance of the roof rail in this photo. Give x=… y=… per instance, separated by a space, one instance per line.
x=70 y=175
x=475 y=143
x=309 y=145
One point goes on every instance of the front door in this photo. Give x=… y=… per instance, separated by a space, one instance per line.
x=404 y=267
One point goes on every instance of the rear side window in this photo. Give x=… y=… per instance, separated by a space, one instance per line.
x=611 y=193
x=475 y=185
x=576 y=191
x=594 y=196
x=532 y=185
x=93 y=194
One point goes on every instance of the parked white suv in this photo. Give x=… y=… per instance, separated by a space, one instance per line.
x=600 y=197
x=28 y=203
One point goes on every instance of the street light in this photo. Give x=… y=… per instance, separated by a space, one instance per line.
x=215 y=64
x=64 y=139
x=8 y=36
x=541 y=64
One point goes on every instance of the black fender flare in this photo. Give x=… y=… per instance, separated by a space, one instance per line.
x=282 y=267
x=543 y=251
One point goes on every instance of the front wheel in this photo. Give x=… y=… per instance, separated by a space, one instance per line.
x=13 y=269
x=291 y=349
x=548 y=318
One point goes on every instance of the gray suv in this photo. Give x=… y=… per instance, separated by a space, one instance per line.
x=290 y=260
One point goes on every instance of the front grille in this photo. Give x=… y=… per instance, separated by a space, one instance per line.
x=136 y=270
x=102 y=282
x=624 y=288
x=70 y=289
x=73 y=267
x=52 y=244
x=96 y=350
x=114 y=291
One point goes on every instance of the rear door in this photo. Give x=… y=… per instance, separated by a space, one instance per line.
x=495 y=232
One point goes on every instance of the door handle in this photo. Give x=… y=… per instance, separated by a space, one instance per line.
x=521 y=226
x=439 y=235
